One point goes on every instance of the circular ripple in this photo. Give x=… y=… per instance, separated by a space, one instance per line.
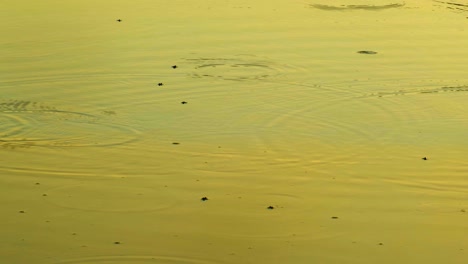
x=135 y=259
x=236 y=68
x=26 y=124
x=111 y=197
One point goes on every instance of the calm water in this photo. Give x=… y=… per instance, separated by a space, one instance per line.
x=323 y=110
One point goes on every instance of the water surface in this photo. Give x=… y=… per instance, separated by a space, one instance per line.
x=323 y=110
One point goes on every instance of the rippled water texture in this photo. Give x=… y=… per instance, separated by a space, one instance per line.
x=29 y=124
x=202 y=132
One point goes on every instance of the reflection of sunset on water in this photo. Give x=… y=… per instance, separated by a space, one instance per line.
x=202 y=132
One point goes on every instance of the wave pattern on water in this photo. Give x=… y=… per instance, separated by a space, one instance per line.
x=137 y=259
x=26 y=124
x=118 y=196
x=235 y=68
x=453 y=6
x=357 y=7
x=440 y=90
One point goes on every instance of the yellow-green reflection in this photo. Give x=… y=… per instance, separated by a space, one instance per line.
x=304 y=124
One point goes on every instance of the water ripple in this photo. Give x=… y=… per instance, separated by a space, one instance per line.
x=235 y=68
x=357 y=7
x=30 y=124
x=136 y=259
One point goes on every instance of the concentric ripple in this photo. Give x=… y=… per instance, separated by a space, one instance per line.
x=135 y=259
x=26 y=124
x=235 y=68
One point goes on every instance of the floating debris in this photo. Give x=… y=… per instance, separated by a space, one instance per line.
x=334 y=217
x=119 y=20
x=270 y=207
x=175 y=143
x=204 y=199
x=424 y=158
x=160 y=84
x=174 y=66
x=117 y=243
x=183 y=102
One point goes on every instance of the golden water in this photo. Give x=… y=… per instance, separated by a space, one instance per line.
x=323 y=110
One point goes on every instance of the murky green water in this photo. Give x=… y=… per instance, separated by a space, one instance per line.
x=111 y=132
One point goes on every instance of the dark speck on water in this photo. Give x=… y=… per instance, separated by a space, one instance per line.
x=174 y=66
x=204 y=199
x=270 y=207
x=160 y=84
x=424 y=158
x=119 y=20
x=334 y=217
x=175 y=143
x=183 y=102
